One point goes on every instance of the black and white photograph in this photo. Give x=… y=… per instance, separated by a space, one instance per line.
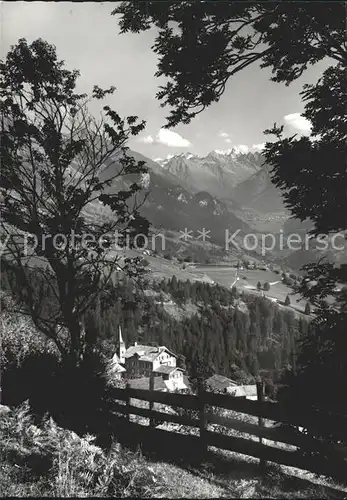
x=173 y=249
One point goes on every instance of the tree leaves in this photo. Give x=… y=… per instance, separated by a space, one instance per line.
x=201 y=45
x=54 y=158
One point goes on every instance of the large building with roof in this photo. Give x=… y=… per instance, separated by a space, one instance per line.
x=166 y=379
x=142 y=360
x=219 y=383
x=139 y=361
x=114 y=368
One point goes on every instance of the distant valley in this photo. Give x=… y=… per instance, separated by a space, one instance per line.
x=223 y=191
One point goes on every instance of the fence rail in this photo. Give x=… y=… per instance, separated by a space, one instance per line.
x=328 y=459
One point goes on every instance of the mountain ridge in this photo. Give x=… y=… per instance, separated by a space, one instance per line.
x=217 y=173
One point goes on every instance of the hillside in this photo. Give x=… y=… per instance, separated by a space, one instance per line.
x=259 y=193
x=44 y=459
x=48 y=461
x=254 y=207
x=229 y=175
x=168 y=205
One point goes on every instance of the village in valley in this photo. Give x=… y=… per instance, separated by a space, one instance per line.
x=155 y=368
x=173 y=250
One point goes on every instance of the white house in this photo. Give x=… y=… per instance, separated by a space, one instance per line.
x=223 y=384
x=172 y=377
x=243 y=391
x=219 y=383
x=114 y=368
x=142 y=360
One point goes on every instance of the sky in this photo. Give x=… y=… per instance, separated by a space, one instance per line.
x=87 y=38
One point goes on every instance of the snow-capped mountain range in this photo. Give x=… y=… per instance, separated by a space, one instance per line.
x=218 y=173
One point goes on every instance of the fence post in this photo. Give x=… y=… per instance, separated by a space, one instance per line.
x=294 y=357
x=261 y=397
x=151 y=403
x=202 y=420
x=127 y=400
x=1 y=333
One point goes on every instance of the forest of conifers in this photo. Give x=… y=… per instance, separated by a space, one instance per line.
x=213 y=330
x=223 y=328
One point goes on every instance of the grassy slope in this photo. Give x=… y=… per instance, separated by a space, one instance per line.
x=73 y=466
x=161 y=268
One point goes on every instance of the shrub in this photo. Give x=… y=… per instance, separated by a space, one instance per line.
x=76 y=398
x=69 y=465
x=288 y=281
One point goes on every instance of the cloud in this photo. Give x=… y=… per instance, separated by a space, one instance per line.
x=147 y=140
x=241 y=148
x=258 y=147
x=298 y=123
x=167 y=138
x=171 y=139
x=223 y=134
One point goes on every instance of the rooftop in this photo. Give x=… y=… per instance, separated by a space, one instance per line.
x=115 y=358
x=146 y=352
x=159 y=384
x=243 y=391
x=114 y=367
x=143 y=383
x=165 y=369
x=219 y=382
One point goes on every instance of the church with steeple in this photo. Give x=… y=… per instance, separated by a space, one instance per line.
x=139 y=361
x=122 y=348
x=116 y=368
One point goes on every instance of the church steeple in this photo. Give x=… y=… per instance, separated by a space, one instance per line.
x=122 y=348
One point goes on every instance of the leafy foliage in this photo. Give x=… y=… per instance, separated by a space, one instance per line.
x=297 y=162
x=58 y=164
x=198 y=57
x=224 y=334
x=201 y=45
x=70 y=466
x=312 y=171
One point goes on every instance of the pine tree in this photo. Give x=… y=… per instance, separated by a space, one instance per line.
x=287 y=301
x=173 y=284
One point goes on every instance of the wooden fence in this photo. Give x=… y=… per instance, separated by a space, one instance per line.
x=328 y=459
